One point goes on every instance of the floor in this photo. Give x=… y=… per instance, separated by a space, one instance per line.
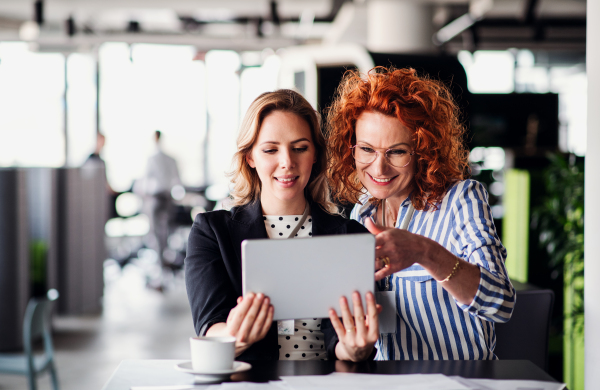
x=136 y=323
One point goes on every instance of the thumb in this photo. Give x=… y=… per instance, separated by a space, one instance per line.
x=373 y=227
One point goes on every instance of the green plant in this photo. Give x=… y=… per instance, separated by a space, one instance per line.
x=38 y=252
x=559 y=219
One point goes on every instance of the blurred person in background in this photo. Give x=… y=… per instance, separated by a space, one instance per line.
x=161 y=176
x=95 y=165
x=95 y=160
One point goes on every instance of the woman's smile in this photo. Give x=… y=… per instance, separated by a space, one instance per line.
x=382 y=181
x=287 y=181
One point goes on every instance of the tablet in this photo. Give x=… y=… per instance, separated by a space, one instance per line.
x=304 y=277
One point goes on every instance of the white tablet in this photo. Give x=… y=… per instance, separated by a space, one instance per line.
x=304 y=277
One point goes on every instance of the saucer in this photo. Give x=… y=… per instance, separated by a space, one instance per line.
x=213 y=376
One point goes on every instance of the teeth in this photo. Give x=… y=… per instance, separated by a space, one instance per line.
x=381 y=180
x=286 y=180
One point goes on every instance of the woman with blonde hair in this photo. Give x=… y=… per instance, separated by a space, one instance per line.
x=279 y=187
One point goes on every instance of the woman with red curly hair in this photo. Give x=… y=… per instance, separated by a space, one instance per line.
x=396 y=150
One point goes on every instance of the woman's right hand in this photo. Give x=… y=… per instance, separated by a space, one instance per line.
x=357 y=335
x=248 y=322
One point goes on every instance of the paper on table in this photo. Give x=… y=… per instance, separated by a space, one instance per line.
x=508 y=384
x=370 y=381
x=273 y=385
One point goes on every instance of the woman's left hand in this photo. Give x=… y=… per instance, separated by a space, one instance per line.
x=401 y=248
x=397 y=249
x=357 y=336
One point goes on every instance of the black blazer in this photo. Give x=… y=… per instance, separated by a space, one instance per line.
x=213 y=267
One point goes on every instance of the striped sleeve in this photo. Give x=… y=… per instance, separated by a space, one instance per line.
x=475 y=239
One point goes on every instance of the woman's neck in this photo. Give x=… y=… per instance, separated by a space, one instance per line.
x=392 y=207
x=281 y=207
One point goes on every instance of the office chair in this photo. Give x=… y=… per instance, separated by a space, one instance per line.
x=35 y=324
x=525 y=336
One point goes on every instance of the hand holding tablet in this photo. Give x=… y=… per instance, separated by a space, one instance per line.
x=358 y=333
x=248 y=322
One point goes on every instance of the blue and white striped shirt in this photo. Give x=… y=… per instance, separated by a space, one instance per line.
x=430 y=323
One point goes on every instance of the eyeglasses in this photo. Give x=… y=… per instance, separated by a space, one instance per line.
x=398 y=157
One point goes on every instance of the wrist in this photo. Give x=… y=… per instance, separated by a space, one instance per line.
x=430 y=254
x=239 y=349
x=340 y=351
x=437 y=260
x=218 y=329
x=357 y=355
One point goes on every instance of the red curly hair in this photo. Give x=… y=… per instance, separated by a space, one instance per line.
x=424 y=106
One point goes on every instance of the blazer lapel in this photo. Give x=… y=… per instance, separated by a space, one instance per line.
x=324 y=223
x=246 y=222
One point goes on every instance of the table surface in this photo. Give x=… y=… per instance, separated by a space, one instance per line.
x=162 y=372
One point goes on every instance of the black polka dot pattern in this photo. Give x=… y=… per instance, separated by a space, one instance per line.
x=307 y=333
x=280 y=226
x=305 y=343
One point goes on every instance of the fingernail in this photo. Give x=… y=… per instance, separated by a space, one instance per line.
x=259 y=295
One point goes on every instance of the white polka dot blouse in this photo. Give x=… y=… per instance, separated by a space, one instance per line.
x=308 y=341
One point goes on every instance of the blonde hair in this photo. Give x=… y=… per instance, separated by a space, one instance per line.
x=246 y=183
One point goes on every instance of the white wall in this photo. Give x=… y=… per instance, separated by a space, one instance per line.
x=592 y=206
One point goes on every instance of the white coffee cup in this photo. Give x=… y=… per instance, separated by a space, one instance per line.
x=212 y=354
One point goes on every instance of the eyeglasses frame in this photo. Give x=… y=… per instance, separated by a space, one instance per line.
x=387 y=159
